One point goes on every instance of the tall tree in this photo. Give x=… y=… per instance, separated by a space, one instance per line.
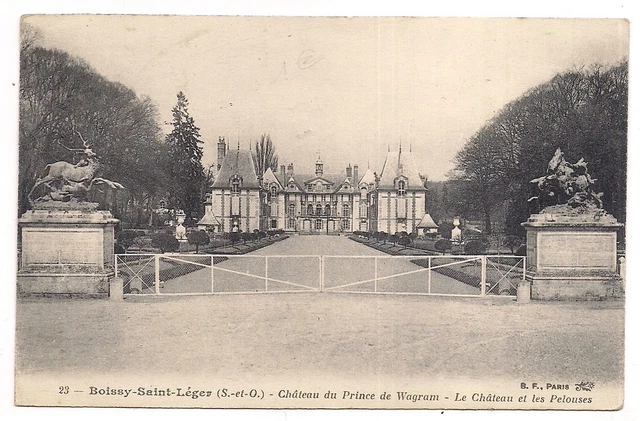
x=185 y=161
x=264 y=155
x=581 y=111
x=61 y=94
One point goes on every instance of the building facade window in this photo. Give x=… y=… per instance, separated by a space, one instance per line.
x=345 y=209
x=346 y=225
x=318 y=224
x=318 y=209
x=274 y=223
x=402 y=188
x=235 y=185
x=310 y=209
x=291 y=224
x=292 y=210
x=363 y=210
x=327 y=210
x=274 y=192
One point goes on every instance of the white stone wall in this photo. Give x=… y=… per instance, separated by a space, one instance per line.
x=248 y=202
x=391 y=207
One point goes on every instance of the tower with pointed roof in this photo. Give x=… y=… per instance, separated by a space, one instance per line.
x=399 y=195
x=235 y=198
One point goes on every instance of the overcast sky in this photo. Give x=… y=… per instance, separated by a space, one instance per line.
x=344 y=88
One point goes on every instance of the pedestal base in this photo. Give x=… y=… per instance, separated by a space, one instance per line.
x=558 y=288
x=95 y=285
x=66 y=251
x=573 y=257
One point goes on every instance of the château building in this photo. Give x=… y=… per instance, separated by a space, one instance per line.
x=315 y=203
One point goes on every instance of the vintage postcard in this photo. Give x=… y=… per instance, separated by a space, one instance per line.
x=322 y=212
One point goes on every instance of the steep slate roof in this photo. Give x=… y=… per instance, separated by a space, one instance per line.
x=209 y=219
x=237 y=162
x=368 y=177
x=269 y=177
x=397 y=164
x=427 y=222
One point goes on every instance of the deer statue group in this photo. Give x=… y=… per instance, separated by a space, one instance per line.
x=65 y=181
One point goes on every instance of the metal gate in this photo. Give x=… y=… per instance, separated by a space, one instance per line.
x=467 y=276
x=195 y=274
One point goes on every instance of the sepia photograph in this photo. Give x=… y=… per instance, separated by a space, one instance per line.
x=321 y=212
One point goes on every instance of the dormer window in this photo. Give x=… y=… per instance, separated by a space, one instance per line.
x=363 y=193
x=274 y=191
x=402 y=188
x=235 y=184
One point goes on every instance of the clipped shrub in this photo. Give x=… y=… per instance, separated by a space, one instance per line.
x=513 y=242
x=404 y=241
x=443 y=245
x=475 y=247
x=198 y=238
x=125 y=238
x=445 y=228
x=165 y=242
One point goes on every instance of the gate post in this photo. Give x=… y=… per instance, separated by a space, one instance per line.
x=212 y=274
x=483 y=276
x=157 y=263
x=429 y=276
x=375 y=274
x=266 y=273
x=321 y=271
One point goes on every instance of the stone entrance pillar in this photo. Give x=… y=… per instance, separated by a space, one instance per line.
x=66 y=250
x=572 y=257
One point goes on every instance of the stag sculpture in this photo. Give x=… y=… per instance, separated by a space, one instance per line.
x=65 y=181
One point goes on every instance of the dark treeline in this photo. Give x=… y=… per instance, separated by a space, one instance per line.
x=63 y=98
x=583 y=112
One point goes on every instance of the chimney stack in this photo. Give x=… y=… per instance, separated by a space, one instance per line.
x=355 y=174
x=290 y=169
x=283 y=173
x=349 y=175
x=222 y=151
